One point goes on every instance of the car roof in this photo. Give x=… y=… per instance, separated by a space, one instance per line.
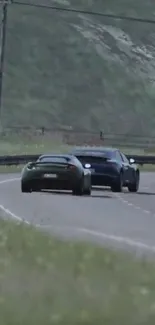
x=93 y=149
x=50 y=155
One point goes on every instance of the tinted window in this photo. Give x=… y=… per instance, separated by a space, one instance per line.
x=54 y=159
x=91 y=159
x=76 y=161
x=124 y=158
x=86 y=153
x=118 y=156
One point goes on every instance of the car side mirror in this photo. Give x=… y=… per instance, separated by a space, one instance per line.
x=131 y=161
x=30 y=165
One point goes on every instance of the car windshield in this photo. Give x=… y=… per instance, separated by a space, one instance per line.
x=106 y=154
x=54 y=159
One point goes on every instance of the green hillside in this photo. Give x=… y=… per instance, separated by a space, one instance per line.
x=88 y=72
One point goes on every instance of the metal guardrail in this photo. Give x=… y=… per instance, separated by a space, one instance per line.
x=143 y=159
x=24 y=159
x=17 y=159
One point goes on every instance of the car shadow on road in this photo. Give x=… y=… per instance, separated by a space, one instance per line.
x=101 y=188
x=102 y=196
x=95 y=196
x=56 y=192
x=140 y=193
x=145 y=193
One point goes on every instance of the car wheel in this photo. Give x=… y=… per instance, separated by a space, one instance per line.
x=117 y=186
x=36 y=189
x=78 y=190
x=133 y=187
x=25 y=188
x=87 y=191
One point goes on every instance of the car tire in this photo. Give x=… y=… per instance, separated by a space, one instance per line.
x=36 y=189
x=133 y=187
x=78 y=190
x=87 y=191
x=25 y=188
x=117 y=186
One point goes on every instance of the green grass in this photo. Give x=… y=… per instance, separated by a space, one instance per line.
x=31 y=147
x=46 y=281
x=18 y=169
x=20 y=144
x=65 y=69
x=147 y=168
x=11 y=169
x=17 y=146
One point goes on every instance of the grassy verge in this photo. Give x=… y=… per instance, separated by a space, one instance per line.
x=17 y=146
x=17 y=169
x=147 y=168
x=46 y=281
x=30 y=147
x=36 y=145
x=10 y=169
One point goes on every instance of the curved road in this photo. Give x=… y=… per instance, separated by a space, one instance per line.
x=122 y=220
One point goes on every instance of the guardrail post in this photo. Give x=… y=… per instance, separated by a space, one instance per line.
x=101 y=135
x=2 y=54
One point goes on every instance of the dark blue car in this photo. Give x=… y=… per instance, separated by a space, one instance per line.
x=109 y=167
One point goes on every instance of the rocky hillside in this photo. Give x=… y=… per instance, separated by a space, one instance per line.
x=88 y=72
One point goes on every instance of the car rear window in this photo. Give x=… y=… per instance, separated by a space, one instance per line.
x=104 y=154
x=91 y=159
x=54 y=159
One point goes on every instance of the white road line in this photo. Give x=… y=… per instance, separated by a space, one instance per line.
x=118 y=239
x=133 y=205
x=122 y=240
x=13 y=215
x=9 y=180
x=7 y=211
x=110 y=237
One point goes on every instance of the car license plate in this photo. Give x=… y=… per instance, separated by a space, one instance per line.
x=92 y=170
x=50 y=175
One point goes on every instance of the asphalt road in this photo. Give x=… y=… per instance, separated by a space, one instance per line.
x=122 y=220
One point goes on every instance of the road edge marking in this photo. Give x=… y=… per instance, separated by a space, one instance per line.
x=8 y=180
x=6 y=210
x=119 y=239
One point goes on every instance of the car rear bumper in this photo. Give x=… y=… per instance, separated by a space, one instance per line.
x=103 y=179
x=55 y=184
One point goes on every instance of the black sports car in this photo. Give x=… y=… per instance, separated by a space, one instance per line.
x=109 y=167
x=63 y=172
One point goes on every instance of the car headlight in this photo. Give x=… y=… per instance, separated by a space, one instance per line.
x=87 y=165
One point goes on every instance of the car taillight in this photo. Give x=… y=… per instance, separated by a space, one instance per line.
x=71 y=167
x=31 y=167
